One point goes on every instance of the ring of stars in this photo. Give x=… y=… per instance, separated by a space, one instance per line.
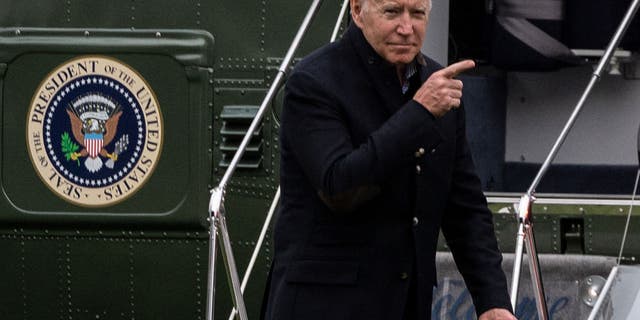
x=61 y=165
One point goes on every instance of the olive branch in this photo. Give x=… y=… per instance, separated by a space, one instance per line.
x=69 y=147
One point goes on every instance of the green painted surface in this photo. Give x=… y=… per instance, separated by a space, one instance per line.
x=146 y=258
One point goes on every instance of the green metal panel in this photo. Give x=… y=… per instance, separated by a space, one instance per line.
x=146 y=257
x=12 y=273
x=174 y=65
x=32 y=13
x=103 y=274
x=605 y=232
x=600 y=231
x=71 y=262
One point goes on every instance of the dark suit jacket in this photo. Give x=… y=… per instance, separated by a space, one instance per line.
x=367 y=183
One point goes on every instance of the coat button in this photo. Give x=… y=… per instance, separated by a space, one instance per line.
x=404 y=275
x=420 y=152
x=415 y=221
x=418 y=169
x=433 y=150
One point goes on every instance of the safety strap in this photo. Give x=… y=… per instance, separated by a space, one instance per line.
x=531 y=9
x=512 y=15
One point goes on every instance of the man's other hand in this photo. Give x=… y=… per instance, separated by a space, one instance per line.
x=441 y=91
x=497 y=314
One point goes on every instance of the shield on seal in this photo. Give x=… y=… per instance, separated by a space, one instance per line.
x=93 y=142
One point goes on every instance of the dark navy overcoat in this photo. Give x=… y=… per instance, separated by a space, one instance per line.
x=368 y=179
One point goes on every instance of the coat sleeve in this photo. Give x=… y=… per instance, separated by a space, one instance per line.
x=468 y=228
x=317 y=130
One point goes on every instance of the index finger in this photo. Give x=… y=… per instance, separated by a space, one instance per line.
x=457 y=68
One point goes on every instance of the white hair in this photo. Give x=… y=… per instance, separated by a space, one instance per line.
x=428 y=4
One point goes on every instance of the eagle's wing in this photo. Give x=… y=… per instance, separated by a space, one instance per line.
x=111 y=127
x=76 y=127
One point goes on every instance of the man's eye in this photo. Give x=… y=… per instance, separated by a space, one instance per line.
x=391 y=11
x=419 y=13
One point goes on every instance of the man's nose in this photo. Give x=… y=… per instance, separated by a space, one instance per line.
x=404 y=25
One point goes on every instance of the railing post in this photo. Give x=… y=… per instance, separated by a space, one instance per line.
x=217 y=218
x=525 y=214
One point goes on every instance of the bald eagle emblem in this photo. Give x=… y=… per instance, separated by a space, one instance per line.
x=94 y=124
x=94 y=131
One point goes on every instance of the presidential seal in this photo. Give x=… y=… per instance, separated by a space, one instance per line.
x=94 y=131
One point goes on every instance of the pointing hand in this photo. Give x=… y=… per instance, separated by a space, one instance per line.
x=441 y=91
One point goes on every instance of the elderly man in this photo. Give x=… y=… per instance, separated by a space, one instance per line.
x=374 y=163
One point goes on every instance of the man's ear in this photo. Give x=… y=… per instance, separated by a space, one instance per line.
x=356 y=11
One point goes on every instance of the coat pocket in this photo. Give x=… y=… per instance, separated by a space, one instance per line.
x=323 y=272
x=336 y=235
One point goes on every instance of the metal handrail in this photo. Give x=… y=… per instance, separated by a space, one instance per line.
x=282 y=70
x=603 y=293
x=336 y=28
x=524 y=215
x=276 y=198
x=256 y=250
x=216 y=202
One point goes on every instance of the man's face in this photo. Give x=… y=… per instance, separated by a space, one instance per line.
x=394 y=28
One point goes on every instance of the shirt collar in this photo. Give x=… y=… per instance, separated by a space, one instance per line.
x=377 y=64
x=409 y=71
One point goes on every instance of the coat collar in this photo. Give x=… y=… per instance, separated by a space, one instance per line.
x=382 y=74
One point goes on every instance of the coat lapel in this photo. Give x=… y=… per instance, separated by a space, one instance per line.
x=381 y=75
